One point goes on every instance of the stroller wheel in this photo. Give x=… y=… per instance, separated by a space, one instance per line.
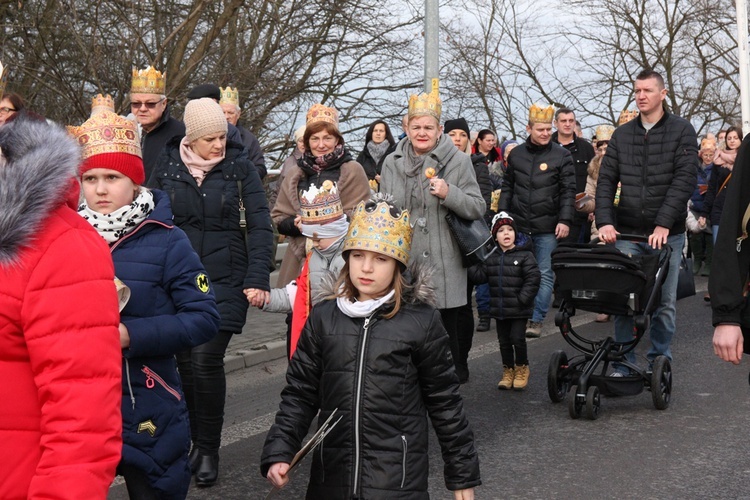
x=557 y=383
x=593 y=403
x=661 y=382
x=575 y=405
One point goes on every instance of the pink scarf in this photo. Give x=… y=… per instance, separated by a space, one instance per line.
x=725 y=158
x=197 y=166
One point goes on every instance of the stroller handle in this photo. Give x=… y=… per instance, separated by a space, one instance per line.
x=624 y=236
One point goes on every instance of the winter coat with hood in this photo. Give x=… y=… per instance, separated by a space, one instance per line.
x=153 y=143
x=60 y=423
x=171 y=309
x=210 y=216
x=657 y=171
x=539 y=187
x=513 y=276
x=385 y=377
x=434 y=244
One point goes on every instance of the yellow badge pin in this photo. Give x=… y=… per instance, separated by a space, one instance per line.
x=201 y=282
x=543 y=167
x=147 y=426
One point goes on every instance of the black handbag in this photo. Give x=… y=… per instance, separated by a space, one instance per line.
x=473 y=238
x=685 y=280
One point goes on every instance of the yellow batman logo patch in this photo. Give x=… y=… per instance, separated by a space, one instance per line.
x=201 y=281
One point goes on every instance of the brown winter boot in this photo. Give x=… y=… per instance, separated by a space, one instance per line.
x=507 y=382
x=521 y=377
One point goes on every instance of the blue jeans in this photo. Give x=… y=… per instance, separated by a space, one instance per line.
x=715 y=231
x=482 y=295
x=663 y=317
x=543 y=246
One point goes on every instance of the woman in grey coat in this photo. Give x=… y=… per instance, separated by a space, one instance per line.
x=429 y=176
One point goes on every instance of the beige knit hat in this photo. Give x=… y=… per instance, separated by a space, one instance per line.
x=203 y=117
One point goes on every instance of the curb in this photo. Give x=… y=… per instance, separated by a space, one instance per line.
x=255 y=356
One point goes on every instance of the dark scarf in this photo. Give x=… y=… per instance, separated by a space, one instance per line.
x=312 y=165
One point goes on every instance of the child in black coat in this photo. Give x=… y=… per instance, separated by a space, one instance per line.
x=513 y=276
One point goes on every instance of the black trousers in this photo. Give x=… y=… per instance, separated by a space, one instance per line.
x=205 y=387
x=450 y=322
x=511 y=334
x=465 y=329
x=139 y=487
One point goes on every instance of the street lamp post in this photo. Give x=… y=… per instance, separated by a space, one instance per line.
x=431 y=45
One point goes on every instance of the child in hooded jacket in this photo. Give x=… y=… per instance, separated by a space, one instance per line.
x=513 y=276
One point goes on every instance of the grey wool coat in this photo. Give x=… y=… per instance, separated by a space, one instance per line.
x=434 y=245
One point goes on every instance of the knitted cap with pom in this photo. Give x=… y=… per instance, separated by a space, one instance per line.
x=203 y=117
x=502 y=219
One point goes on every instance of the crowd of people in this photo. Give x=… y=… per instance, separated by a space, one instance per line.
x=377 y=290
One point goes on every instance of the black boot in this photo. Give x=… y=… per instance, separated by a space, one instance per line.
x=193 y=459
x=207 y=471
x=484 y=322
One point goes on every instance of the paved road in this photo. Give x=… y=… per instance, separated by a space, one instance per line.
x=530 y=448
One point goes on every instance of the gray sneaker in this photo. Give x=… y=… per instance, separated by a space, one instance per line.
x=533 y=329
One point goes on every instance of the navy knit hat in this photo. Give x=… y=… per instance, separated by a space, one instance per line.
x=502 y=219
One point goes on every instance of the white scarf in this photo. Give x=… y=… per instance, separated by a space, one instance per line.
x=114 y=226
x=362 y=309
x=339 y=227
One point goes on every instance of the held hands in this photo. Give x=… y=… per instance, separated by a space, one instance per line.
x=467 y=494
x=298 y=222
x=728 y=343
x=439 y=188
x=257 y=298
x=277 y=474
x=702 y=221
x=561 y=231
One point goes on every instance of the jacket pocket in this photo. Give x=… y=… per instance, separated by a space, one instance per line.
x=405 y=446
x=152 y=378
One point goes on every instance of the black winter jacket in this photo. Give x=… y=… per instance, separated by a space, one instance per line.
x=254 y=151
x=513 y=277
x=539 y=187
x=210 y=215
x=385 y=377
x=483 y=179
x=368 y=162
x=153 y=143
x=658 y=172
x=713 y=203
x=582 y=152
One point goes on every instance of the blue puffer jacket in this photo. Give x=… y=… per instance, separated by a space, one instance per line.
x=171 y=308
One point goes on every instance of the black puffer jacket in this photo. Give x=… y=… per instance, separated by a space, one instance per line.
x=483 y=179
x=539 y=187
x=713 y=203
x=582 y=152
x=513 y=277
x=210 y=216
x=658 y=172
x=385 y=376
x=153 y=143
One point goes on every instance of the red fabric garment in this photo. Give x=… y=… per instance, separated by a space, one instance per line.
x=60 y=360
x=301 y=307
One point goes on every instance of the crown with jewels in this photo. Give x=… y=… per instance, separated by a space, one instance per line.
x=148 y=81
x=378 y=226
x=425 y=105
x=107 y=132
x=604 y=132
x=538 y=114
x=320 y=113
x=230 y=95
x=626 y=116
x=101 y=103
x=320 y=205
x=3 y=80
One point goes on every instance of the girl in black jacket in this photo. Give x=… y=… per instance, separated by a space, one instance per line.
x=377 y=355
x=514 y=279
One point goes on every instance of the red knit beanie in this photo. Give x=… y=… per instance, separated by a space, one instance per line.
x=126 y=164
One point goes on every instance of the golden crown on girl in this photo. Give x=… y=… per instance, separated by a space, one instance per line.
x=378 y=226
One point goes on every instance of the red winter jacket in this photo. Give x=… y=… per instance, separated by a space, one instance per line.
x=60 y=358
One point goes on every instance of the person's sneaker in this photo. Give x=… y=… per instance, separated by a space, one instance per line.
x=521 y=377
x=533 y=329
x=484 y=323
x=507 y=381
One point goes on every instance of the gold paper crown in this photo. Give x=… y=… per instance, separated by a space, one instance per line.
x=148 y=81
x=538 y=114
x=425 y=105
x=320 y=113
x=376 y=229
x=604 y=132
x=230 y=95
x=107 y=132
x=101 y=103
x=3 y=80
x=626 y=116
x=320 y=206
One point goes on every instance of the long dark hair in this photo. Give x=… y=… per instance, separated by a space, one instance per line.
x=388 y=135
x=738 y=130
x=494 y=155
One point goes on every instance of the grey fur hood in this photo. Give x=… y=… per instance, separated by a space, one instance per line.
x=38 y=162
x=419 y=288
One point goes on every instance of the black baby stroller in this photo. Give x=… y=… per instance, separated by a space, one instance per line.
x=601 y=279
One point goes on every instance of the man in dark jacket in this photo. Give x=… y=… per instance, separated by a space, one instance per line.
x=148 y=103
x=655 y=159
x=582 y=152
x=539 y=191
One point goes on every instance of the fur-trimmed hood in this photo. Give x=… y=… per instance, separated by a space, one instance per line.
x=38 y=169
x=418 y=290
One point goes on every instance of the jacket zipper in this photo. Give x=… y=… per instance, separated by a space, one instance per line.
x=130 y=234
x=405 y=446
x=357 y=404
x=643 y=181
x=152 y=375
